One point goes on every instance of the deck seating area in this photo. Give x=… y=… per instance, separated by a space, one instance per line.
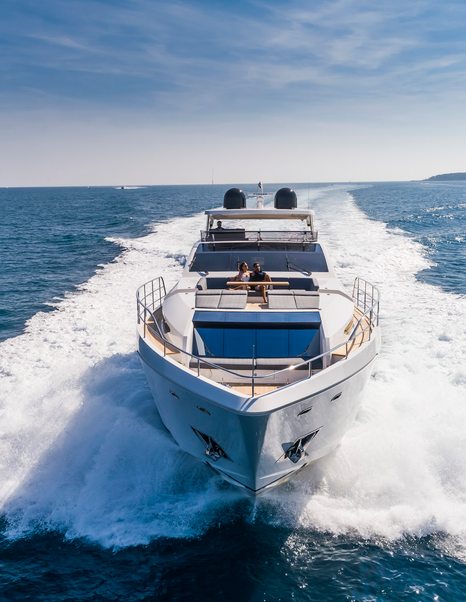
x=294 y=283
x=227 y=234
x=216 y=292
x=242 y=299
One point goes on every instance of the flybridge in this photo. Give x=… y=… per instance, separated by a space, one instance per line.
x=219 y=233
x=234 y=208
x=285 y=198
x=284 y=207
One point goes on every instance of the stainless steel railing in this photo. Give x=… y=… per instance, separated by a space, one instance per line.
x=246 y=236
x=366 y=298
x=149 y=297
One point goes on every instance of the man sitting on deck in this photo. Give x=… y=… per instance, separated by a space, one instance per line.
x=259 y=276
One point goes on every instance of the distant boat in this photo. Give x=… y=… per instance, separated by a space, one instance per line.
x=128 y=187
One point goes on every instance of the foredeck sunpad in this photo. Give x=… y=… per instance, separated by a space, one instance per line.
x=221 y=299
x=233 y=300
x=207 y=301
x=307 y=301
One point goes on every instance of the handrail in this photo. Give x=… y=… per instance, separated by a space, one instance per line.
x=229 y=235
x=365 y=295
x=257 y=282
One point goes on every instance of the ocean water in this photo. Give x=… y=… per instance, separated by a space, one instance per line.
x=97 y=502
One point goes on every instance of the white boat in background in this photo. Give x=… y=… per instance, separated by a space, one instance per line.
x=256 y=389
x=129 y=187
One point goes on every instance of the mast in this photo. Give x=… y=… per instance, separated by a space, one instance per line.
x=260 y=196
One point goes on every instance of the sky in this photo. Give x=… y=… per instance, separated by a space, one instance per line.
x=96 y=92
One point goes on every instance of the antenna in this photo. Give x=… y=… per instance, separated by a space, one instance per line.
x=259 y=196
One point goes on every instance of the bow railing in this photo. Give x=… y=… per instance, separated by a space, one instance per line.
x=366 y=298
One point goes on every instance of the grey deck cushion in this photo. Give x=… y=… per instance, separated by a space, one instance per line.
x=233 y=300
x=293 y=299
x=207 y=301
x=281 y=292
x=308 y=301
x=237 y=299
x=281 y=300
x=221 y=299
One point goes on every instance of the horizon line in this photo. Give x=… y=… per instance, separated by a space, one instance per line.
x=125 y=186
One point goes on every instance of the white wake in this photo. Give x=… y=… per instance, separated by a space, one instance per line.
x=83 y=450
x=400 y=470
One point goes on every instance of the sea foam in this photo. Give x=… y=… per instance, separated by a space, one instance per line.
x=84 y=452
x=400 y=470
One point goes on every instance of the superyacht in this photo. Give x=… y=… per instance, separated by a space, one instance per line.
x=257 y=357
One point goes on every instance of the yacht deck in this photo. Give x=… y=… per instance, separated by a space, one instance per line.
x=201 y=366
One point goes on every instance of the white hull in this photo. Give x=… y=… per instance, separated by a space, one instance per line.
x=258 y=374
x=256 y=432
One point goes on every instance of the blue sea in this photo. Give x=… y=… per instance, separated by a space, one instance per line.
x=96 y=500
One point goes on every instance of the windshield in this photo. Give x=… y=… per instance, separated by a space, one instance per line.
x=271 y=261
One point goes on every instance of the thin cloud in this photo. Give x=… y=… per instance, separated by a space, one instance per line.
x=63 y=41
x=194 y=56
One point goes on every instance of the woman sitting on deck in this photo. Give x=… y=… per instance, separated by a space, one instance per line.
x=242 y=276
